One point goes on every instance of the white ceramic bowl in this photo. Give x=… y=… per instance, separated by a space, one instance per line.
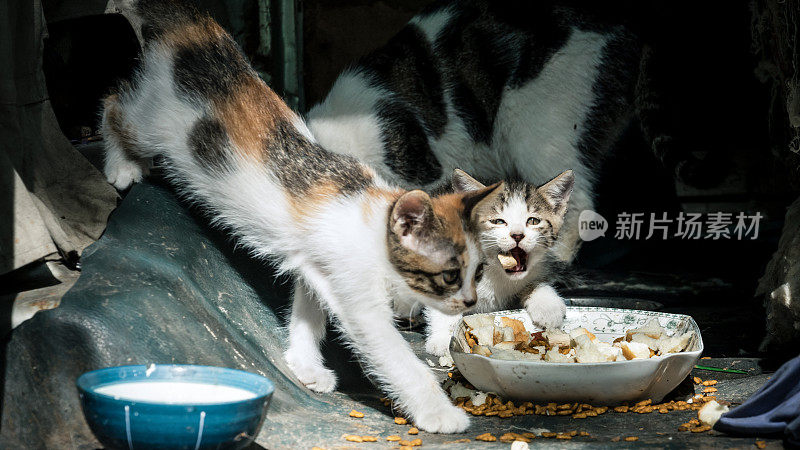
x=596 y=383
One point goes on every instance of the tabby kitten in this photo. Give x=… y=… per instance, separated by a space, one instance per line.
x=522 y=223
x=355 y=243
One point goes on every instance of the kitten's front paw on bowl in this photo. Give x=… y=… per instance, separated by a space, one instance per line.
x=318 y=378
x=437 y=344
x=443 y=419
x=546 y=308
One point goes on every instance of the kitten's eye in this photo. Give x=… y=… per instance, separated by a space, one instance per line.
x=498 y=221
x=451 y=276
x=533 y=221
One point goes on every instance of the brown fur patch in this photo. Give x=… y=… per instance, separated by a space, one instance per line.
x=193 y=33
x=119 y=128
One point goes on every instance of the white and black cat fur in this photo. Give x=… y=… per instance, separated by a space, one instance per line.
x=523 y=221
x=355 y=242
x=502 y=89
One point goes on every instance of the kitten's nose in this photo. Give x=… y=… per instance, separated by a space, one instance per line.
x=518 y=237
x=469 y=303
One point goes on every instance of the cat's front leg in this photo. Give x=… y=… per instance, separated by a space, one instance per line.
x=439 y=328
x=122 y=166
x=306 y=330
x=545 y=306
x=404 y=376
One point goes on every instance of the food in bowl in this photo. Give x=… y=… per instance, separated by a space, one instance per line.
x=510 y=340
x=602 y=383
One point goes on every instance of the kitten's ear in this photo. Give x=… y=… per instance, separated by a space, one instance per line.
x=412 y=211
x=558 y=190
x=473 y=199
x=463 y=182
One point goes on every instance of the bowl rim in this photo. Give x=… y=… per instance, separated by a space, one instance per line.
x=455 y=348
x=83 y=384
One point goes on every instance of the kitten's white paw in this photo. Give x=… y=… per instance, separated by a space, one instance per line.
x=316 y=377
x=122 y=173
x=441 y=418
x=437 y=344
x=546 y=307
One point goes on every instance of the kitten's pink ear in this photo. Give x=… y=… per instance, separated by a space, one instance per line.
x=473 y=199
x=558 y=190
x=411 y=212
x=463 y=182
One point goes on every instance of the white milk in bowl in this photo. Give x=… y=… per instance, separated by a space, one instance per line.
x=173 y=392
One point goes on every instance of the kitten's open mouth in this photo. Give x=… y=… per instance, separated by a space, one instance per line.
x=514 y=261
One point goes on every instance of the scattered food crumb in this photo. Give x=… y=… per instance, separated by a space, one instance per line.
x=615 y=439
x=353 y=438
x=519 y=445
x=414 y=443
x=369 y=439
x=761 y=444
x=393 y=438
x=400 y=420
x=709 y=390
x=413 y=430
x=549 y=434
x=485 y=437
x=697 y=380
x=317 y=448
x=710 y=413
x=356 y=414
x=709 y=382
x=706 y=357
x=631 y=438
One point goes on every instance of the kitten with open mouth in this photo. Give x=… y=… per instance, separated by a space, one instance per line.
x=518 y=232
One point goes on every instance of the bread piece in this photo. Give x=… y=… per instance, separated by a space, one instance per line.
x=484 y=335
x=520 y=333
x=581 y=331
x=651 y=329
x=505 y=345
x=589 y=351
x=634 y=350
x=644 y=339
x=502 y=334
x=710 y=412
x=479 y=321
x=674 y=344
x=556 y=357
x=557 y=338
x=507 y=261
x=481 y=350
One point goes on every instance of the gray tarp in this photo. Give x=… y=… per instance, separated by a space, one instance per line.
x=50 y=195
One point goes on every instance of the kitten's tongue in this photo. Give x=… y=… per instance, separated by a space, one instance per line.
x=521 y=257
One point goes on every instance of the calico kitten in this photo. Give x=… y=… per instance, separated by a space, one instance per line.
x=522 y=222
x=355 y=242
x=513 y=89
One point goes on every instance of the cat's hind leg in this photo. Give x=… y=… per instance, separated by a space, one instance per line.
x=123 y=163
x=306 y=330
x=439 y=329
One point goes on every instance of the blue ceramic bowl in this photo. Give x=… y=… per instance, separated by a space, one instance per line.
x=134 y=424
